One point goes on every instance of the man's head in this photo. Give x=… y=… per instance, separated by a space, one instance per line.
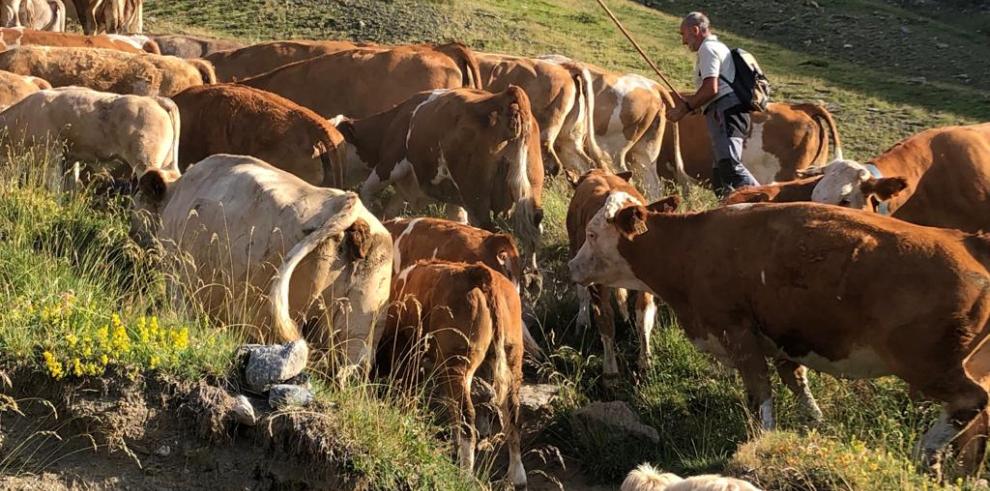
x=694 y=30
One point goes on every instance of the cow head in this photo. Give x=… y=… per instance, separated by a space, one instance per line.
x=849 y=184
x=621 y=218
x=154 y=188
x=501 y=254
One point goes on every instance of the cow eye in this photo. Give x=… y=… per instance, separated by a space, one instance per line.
x=592 y=236
x=844 y=202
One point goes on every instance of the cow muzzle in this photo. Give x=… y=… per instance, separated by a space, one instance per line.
x=579 y=272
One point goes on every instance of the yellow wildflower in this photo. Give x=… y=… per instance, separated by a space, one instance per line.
x=72 y=340
x=104 y=359
x=54 y=366
x=120 y=343
x=77 y=367
x=153 y=362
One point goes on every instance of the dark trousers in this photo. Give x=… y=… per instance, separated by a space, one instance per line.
x=728 y=125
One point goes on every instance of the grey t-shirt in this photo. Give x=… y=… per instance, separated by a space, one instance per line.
x=713 y=60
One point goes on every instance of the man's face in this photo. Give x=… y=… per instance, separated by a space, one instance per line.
x=691 y=36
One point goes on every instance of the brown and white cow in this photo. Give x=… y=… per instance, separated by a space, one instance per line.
x=784 y=140
x=44 y=15
x=242 y=63
x=947 y=171
x=32 y=37
x=366 y=81
x=264 y=251
x=559 y=94
x=468 y=148
x=466 y=320
x=228 y=118
x=426 y=238
x=140 y=41
x=877 y=192
x=113 y=16
x=841 y=291
x=108 y=70
x=185 y=46
x=14 y=87
x=590 y=192
x=142 y=132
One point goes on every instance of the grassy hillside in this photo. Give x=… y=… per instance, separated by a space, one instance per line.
x=886 y=68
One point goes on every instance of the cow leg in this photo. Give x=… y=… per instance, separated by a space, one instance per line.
x=604 y=318
x=462 y=415
x=795 y=376
x=743 y=349
x=584 y=307
x=962 y=414
x=646 y=314
x=510 y=412
x=622 y=299
x=371 y=187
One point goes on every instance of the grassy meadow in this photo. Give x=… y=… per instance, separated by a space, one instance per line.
x=81 y=298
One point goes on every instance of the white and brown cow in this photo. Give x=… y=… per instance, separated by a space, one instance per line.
x=263 y=251
x=141 y=132
x=108 y=70
x=44 y=15
x=230 y=118
x=464 y=147
x=370 y=80
x=782 y=141
x=838 y=290
x=560 y=95
x=466 y=320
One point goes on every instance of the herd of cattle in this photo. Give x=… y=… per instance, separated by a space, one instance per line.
x=252 y=210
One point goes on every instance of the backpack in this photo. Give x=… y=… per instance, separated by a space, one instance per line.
x=750 y=84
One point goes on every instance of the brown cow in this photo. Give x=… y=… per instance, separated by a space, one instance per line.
x=31 y=37
x=234 y=119
x=841 y=291
x=782 y=141
x=947 y=172
x=468 y=148
x=370 y=80
x=193 y=46
x=877 y=191
x=14 y=87
x=467 y=321
x=107 y=70
x=435 y=238
x=250 y=61
x=555 y=92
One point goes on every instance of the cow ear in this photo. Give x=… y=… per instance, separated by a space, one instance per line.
x=152 y=184
x=357 y=239
x=666 y=205
x=493 y=118
x=884 y=188
x=631 y=221
x=759 y=197
x=625 y=176
x=319 y=148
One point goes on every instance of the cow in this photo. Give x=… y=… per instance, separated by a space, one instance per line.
x=141 y=132
x=630 y=117
x=32 y=37
x=15 y=87
x=590 y=192
x=370 y=80
x=878 y=192
x=782 y=141
x=108 y=70
x=237 y=64
x=228 y=118
x=139 y=41
x=112 y=16
x=185 y=46
x=44 y=15
x=467 y=321
x=560 y=95
x=838 y=290
x=426 y=238
x=465 y=147
x=262 y=249
x=947 y=172
x=647 y=478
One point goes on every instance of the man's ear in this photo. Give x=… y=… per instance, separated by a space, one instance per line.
x=152 y=184
x=631 y=221
x=666 y=205
x=884 y=188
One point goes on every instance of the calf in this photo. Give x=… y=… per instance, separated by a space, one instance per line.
x=877 y=192
x=370 y=80
x=240 y=120
x=841 y=291
x=109 y=71
x=142 y=132
x=265 y=251
x=467 y=320
x=15 y=87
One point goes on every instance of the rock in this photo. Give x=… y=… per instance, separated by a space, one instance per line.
x=613 y=420
x=536 y=409
x=163 y=451
x=918 y=80
x=847 y=46
x=272 y=364
x=905 y=30
x=244 y=411
x=941 y=45
x=284 y=395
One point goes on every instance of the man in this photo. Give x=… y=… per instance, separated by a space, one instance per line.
x=728 y=120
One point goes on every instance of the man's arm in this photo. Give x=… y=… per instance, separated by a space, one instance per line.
x=707 y=92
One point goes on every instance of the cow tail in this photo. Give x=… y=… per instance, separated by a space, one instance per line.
x=173 y=114
x=285 y=329
x=57 y=23
x=680 y=174
x=500 y=324
x=587 y=89
x=205 y=69
x=820 y=114
x=468 y=64
x=521 y=190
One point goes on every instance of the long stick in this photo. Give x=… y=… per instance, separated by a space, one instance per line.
x=640 y=50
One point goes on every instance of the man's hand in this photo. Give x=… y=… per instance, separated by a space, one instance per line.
x=678 y=112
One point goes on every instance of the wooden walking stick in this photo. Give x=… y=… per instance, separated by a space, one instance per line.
x=640 y=50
